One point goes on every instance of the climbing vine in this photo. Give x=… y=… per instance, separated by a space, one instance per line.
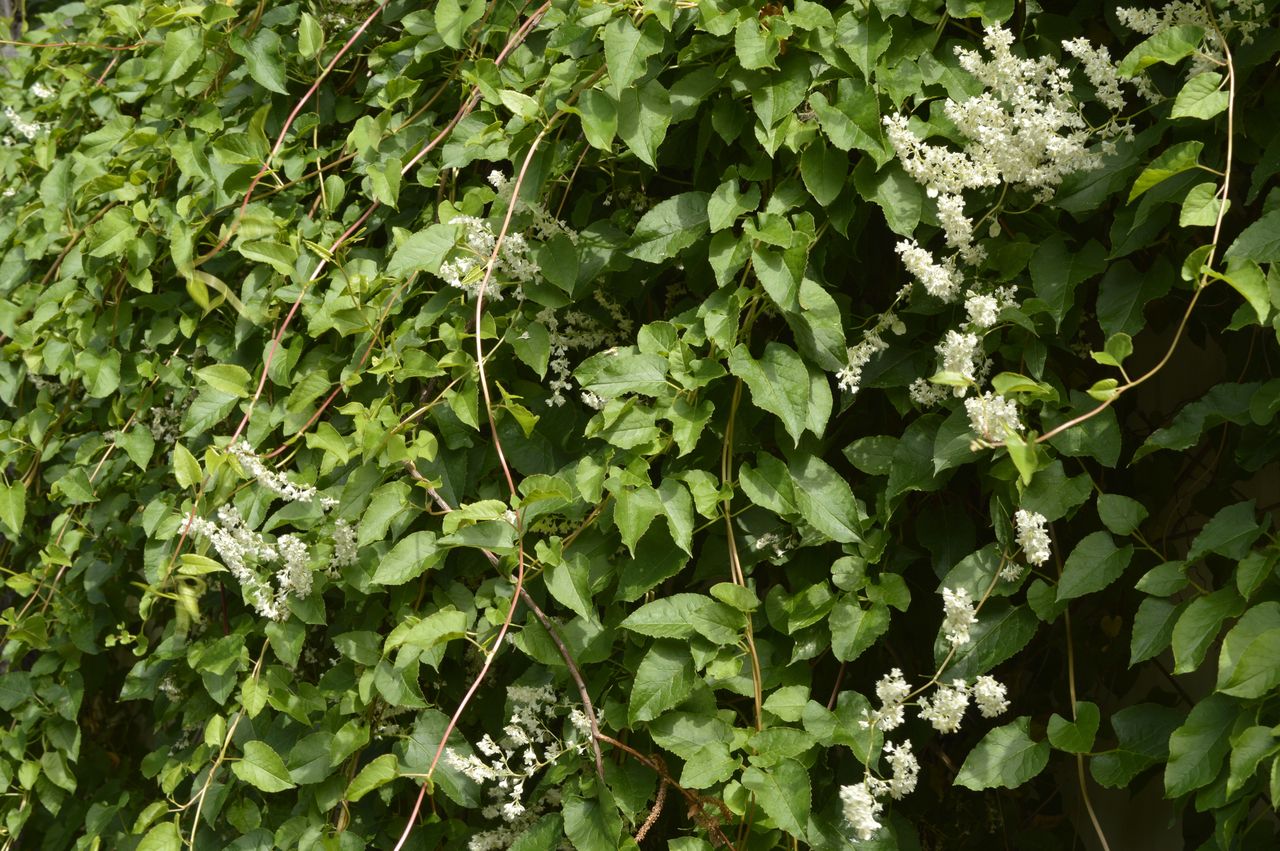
x=639 y=424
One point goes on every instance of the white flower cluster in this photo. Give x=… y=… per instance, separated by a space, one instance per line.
x=983 y=309
x=578 y=330
x=29 y=130
x=989 y=695
x=893 y=691
x=41 y=91
x=940 y=280
x=850 y=378
x=961 y=353
x=1024 y=130
x=1032 y=537
x=467 y=273
x=1100 y=70
x=237 y=546
x=344 y=546
x=544 y=225
x=958 y=615
x=1239 y=16
x=527 y=746
x=275 y=482
x=992 y=417
x=861 y=809
x=944 y=710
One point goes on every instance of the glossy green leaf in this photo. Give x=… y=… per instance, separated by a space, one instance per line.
x=1005 y=758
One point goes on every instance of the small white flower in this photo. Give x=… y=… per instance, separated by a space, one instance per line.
x=946 y=707
x=982 y=309
x=344 y=544
x=892 y=690
x=906 y=769
x=989 y=696
x=959 y=615
x=861 y=809
x=992 y=417
x=1032 y=537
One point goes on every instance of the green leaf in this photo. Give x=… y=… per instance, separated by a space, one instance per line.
x=1247 y=278
x=783 y=792
x=779 y=383
x=873 y=455
x=1164 y=580
x=635 y=509
x=101 y=372
x=683 y=615
x=112 y=234
x=627 y=51
x=182 y=49
x=262 y=54
x=276 y=255
x=664 y=680
x=1120 y=514
x=310 y=36
x=1259 y=242
x=1054 y=493
x=1153 y=628
x=1248 y=748
x=1123 y=295
x=1142 y=734
x=769 y=485
x=729 y=202
x=1000 y=633
x=755 y=46
x=1230 y=533
x=1006 y=758
x=1094 y=564
x=381 y=771
x=455 y=17
x=1198 y=626
x=825 y=170
x=1057 y=270
x=1200 y=207
x=702 y=741
x=13 y=507
x=1197 y=748
x=227 y=378
x=865 y=38
x=599 y=114
x=186 y=469
x=424 y=250
x=855 y=629
x=742 y=599
x=592 y=824
x=618 y=372
x=1169 y=46
x=899 y=197
x=1181 y=157
x=408 y=559
x=1223 y=403
x=163 y=837
x=825 y=500
x=644 y=114
x=262 y=768
x=670 y=227
x=1201 y=97
x=1247 y=663
x=1075 y=736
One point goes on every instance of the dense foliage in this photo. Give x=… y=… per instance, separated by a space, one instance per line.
x=654 y=423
